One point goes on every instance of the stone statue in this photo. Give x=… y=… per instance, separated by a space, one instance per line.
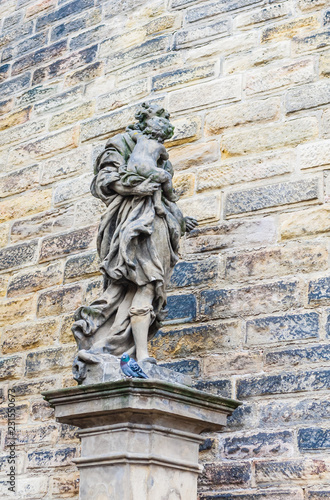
x=138 y=243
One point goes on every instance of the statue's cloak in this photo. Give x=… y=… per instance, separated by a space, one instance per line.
x=136 y=248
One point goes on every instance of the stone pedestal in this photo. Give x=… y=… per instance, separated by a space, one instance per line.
x=140 y=438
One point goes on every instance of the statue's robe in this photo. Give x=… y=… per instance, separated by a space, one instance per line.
x=136 y=248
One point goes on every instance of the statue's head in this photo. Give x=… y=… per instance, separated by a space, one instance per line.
x=158 y=128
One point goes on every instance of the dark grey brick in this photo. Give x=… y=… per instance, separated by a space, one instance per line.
x=283 y=383
x=313 y=438
x=14 y=85
x=319 y=291
x=226 y=475
x=186 y=366
x=278 y=494
x=220 y=387
x=218 y=7
x=67 y=28
x=311 y=354
x=18 y=255
x=18 y=33
x=194 y=273
x=296 y=412
x=284 y=193
x=319 y=493
x=242 y=417
x=181 y=308
x=81 y=266
x=88 y=37
x=71 y=8
x=261 y=444
x=32 y=43
x=273 y=329
x=38 y=57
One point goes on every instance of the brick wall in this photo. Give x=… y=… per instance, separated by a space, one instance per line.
x=247 y=84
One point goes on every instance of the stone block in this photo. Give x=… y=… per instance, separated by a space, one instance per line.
x=37 y=93
x=72 y=115
x=30 y=435
x=242 y=418
x=197 y=34
x=277 y=261
x=268 y=80
x=84 y=75
x=127 y=57
x=68 y=28
x=186 y=130
x=262 y=15
x=88 y=37
x=289 y=470
x=16 y=310
x=20 y=133
x=29 y=336
x=232 y=362
x=194 y=273
x=256 y=57
x=244 y=170
x=222 y=90
x=184 y=184
x=181 y=308
x=305 y=223
x=17 y=33
x=39 y=57
x=30 y=487
x=118 y=98
x=150 y=67
x=300 y=356
x=201 y=12
x=41 y=411
x=302 y=44
x=256 y=494
x=284 y=383
x=15 y=118
x=88 y=211
x=274 y=136
x=262 y=444
x=318 y=493
x=38 y=7
x=16 y=50
x=66 y=335
x=69 y=9
x=52 y=221
x=319 y=291
x=181 y=76
x=287 y=328
x=194 y=155
x=61 y=66
x=93 y=290
x=54 y=102
x=40 y=459
x=314 y=154
x=65 y=165
x=44 y=147
x=6 y=106
x=18 y=181
x=11 y=367
x=202 y=208
x=233 y=475
x=54 y=247
x=66 y=484
x=71 y=189
x=15 y=85
x=218 y=387
x=186 y=367
x=106 y=125
x=25 y=205
x=242 y=113
x=59 y=301
x=53 y=359
x=308 y=96
x=289 y=29
x=17 y=256
x=325 y=64
x=271 y=196
x=306 y=5
x=289 y=413
x=195 y=340
x=81 y=266
x=35 y=279
x=231 y=234
x=250 y=300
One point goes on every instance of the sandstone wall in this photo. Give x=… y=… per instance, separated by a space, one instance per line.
x=247 y=84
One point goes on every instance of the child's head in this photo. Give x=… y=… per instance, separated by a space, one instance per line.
x=159 y=128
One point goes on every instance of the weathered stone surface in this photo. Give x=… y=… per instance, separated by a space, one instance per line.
x=262 y=444
x=185 y=130
x=49 y=360
x=203 y=208
x=29 y=336
x=12 y=257
x=65 y=165
x=273 y=195
x=276 y=136
x=259 y=16
x=302 y=44
x=84 y=75
x=184 y=184
x=293 y=357
x=319 y=291
x=15 y=118
x=294 y=469
x=288 y=413
x=20 y=133
x=52 y=221
x=234 y=475
x=228 y=89
x=19 y=181
x=270 y=263
x=194 y=155
x=88 y=211
x=181 y=308
x=70 y=8
x=40 y=459
x=191 y=341
x=16 y=310
x=194 y=273
x=59 y=301
x=256 y=299
x=75 y=241
x=81 y=266
x=11 y=367
x=25 y=205
x=231 y=234
x=118 y=98
x=305 y=222
x=195 y=35
x=308 y=96
x=35 y=279
x=258 y=494
x=66 y=484
x=256 y=57
x=214 y=8
x=72 y=115
x=53 y=103
x=244 y=170
x=75 y=188
x=239 y=114
x=232 y=362
x=181 y=76
x=290 y=327
x=38 y=57
x=289 y=28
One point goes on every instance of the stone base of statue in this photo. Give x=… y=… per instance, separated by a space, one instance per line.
x=140 y=438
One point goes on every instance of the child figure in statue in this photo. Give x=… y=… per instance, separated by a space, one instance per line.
x=148 y=159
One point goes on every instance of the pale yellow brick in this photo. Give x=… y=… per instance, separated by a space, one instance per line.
x=224 y=46
x=16 y=118
x=45 y=147
x=203 y=208
x=290 y=29
x=307 y=222
x=23 y=206
x=4 y=234
x=232 y=362
x=193 y=155
x=256 y=57
x=313 y=154
x=262 y=14
x=268 y=137
x=16 y=310
x=306 y=5
x=326 y=123
x=4 y=278
x=241 y=113
x=325 y=64
x=65 y=165
x=29 y=335
x=184 y=184
x=186 y=129
x=72 y=115
x=244 y=170
x=123 y=96
x=266 y=80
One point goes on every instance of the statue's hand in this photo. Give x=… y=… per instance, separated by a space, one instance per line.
x=191 y=223
x=146 y=188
